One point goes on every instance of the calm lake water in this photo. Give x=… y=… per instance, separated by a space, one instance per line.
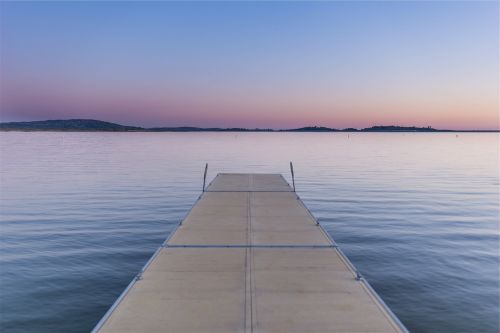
x=417 y=213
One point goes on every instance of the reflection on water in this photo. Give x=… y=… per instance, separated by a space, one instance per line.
x=417 y=213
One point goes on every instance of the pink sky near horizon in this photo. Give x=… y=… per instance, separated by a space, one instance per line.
x=210 y=110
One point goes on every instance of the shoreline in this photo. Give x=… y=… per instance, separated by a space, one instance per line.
x=243 y=131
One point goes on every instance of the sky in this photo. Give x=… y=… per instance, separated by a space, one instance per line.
x=252 y=64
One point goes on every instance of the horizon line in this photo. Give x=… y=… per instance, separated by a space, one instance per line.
x=310 y=128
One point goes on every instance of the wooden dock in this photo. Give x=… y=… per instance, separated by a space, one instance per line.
x=249 y=257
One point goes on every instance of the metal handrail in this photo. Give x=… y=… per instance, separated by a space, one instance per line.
x=205 y=177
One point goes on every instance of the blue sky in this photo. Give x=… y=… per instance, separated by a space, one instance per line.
x=265 y=64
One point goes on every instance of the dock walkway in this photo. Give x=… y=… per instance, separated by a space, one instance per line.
x=249 y=257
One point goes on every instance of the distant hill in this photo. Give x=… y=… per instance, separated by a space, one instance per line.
x=81 y=125
x=398 y=129
x=66 y=125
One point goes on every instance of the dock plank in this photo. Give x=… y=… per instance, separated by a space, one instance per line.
x=249 y=257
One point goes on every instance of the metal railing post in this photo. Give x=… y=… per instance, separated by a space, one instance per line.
x=205 y=177
x=293 y=176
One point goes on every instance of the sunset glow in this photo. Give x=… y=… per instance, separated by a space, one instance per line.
x=252 y=64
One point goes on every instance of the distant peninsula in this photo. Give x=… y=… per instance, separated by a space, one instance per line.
x=91 y=125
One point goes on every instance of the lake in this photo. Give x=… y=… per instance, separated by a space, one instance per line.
x=417 y=214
